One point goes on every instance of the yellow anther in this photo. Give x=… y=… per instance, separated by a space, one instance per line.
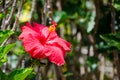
x=52 y=28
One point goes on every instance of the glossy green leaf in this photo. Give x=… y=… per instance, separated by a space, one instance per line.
x=60 y=16
x=3 y=76
x=5 y=34
x=5 y=49
x=3 y=52
x=18 y=49
x=117 y=6
x=31 y=76
x=91 y=23
x=102 y=47
x=92 y=62
x=68 y=74
x=112 y=40
x=36 y=62
x=2 y=15
x=20 y=74
x=3 y=60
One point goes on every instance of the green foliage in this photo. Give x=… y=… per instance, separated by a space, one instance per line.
x=20 y=74
x=31 y=75
x=1 y=15
x=112 y=40
x=102 y=47
x=5 y=49
x=3 y=76
x=3 y=52
x=72 y=6
x=60 y=16
x=5 y=34
x=91 y=23
x=117 y=6
x=3 y=60
x=36 y=62
x=68 y=74
x=18 y=49
x=92 y=62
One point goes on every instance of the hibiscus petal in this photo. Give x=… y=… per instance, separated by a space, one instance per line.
x=52 y=35
x=33 y=47
x=31 y=41
x=28 y=24
x=41 y=29
x=26 y=30
x=38 y=27
x=55 y=55
x=61 y=43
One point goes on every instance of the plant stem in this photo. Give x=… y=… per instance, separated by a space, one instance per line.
x=115 y=52
x=32 y=10
x=7 y=21
x=18 y=15
x=44 y=17
x=38 y=76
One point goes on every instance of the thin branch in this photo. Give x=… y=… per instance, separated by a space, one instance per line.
x=15 y=23
x=44 y=17
x=16 y=20
x=115 y=52
x=38 y=76
x=112 y=18
x=6 y=7
x=59 y=73
x=38 y=10
x=5 y=41
x=20 y=61
x=12 y=12
x=58 y=4
x=50 y=12
x=102 y=71
x=32 y=9
x=7 y=21
x=97 y=9
x=4 y=12
x=18 y=15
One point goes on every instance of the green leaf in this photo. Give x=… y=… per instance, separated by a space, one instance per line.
x=5 y=34
x=3 y=76
x=20 y=74
x=36 y=62
x=2 y=15
x=91 y=23
x=31 y=76
x=3 y=52
x=112 y=40
x=3 y=60
x=92 y=62
x=117 y=6
x=5 y=49
x=18 y=49
x=60 y=16
x=102 y=48
x=68 y=74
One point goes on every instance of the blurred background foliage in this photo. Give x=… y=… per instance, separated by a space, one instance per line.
x=91 y=26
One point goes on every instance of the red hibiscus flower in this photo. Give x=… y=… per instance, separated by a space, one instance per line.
x=43 y=42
